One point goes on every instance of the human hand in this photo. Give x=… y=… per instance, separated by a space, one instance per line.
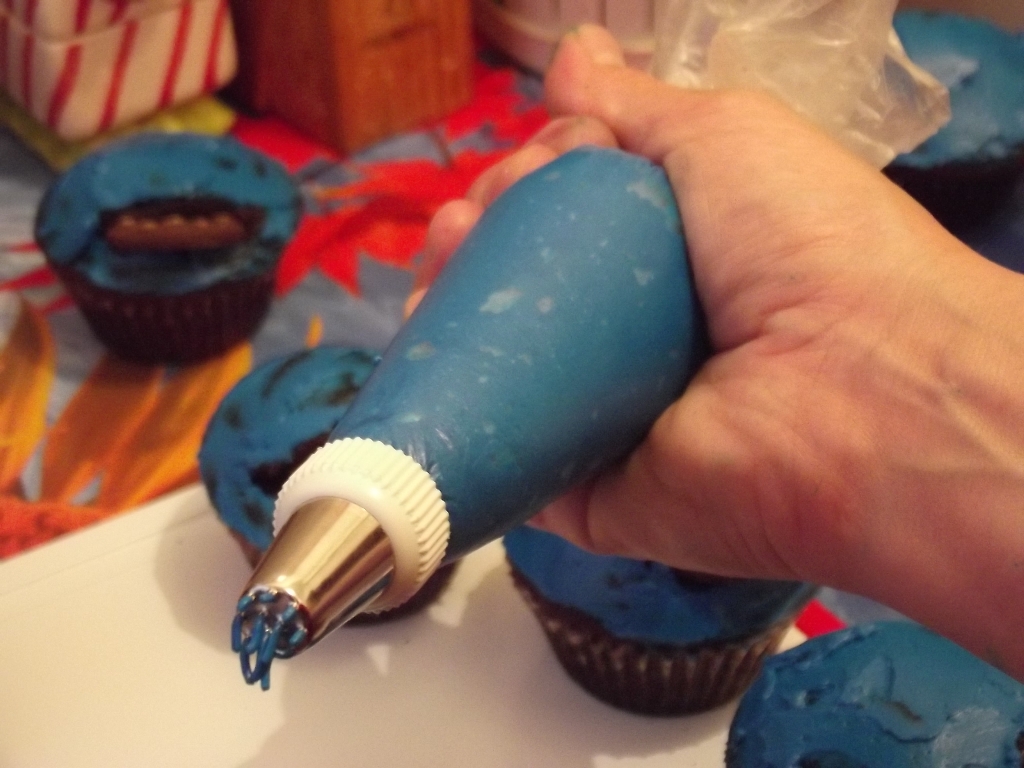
x=858 y=425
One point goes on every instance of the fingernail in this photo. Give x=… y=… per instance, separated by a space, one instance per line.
x=552 y=130
x=537 y=521
x=599 y=45
x=570 y=33
x=413 y=301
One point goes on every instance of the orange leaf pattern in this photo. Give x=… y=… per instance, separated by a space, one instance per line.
x=127 y=434
x=161 y=454
x=103 y=414
x=27 y=368
x=26 y=524
x=315 y=331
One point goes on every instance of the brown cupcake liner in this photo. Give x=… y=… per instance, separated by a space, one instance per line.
x=186 y=328
x=648 y=678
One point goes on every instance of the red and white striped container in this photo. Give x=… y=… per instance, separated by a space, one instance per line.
x=81 y=67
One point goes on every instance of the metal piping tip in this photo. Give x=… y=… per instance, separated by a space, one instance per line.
x=330 y=561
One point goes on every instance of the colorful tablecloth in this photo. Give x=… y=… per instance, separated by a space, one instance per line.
x=84 y=436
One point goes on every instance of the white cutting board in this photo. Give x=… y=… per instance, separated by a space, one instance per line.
x=114 y=651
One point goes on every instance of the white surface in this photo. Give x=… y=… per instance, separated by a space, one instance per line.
x=114 y=652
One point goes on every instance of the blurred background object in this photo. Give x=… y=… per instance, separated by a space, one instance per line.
x=79 y=68
x=529 y=30
x=351 y=72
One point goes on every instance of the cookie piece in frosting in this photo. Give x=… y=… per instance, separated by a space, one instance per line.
x=883 y=695
x=266 y=426
x=971 y=165
x=169 y=242
x=644 y=637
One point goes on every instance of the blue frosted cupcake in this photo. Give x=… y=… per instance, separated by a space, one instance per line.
x=970 y=166
x=645 y=637
x=169 y=243
x=885 y=695
x=266 y=426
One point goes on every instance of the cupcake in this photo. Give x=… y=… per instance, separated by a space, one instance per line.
x=644 y=637
x=889 y=694
x=970 y=166
x=266 y=426
x=169 y=242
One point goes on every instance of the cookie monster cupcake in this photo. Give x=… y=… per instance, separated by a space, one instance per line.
x=971 y=165
x=266 y=426
x=889 y=694
x=645 y=637
x=168 y=242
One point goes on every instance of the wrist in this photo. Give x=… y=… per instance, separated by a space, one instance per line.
x=941 y=484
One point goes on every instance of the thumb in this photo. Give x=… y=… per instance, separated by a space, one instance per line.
x=589 y=76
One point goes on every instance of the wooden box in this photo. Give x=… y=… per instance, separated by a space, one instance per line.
x=351 y=72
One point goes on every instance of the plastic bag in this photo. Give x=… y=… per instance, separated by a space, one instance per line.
x=837 y=62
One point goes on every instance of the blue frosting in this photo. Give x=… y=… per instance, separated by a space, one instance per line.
x=645 y=601
x=561 y=329
x=279 y=407
x=885 y=695
x=159 y=166
x=983 y=67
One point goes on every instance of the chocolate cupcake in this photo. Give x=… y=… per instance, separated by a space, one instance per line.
x=889 y=694
x=266 y=426
x=964 y=172
x=169 y=242
x=644 y=637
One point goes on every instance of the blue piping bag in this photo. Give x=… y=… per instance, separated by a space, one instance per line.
x=559 y=331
